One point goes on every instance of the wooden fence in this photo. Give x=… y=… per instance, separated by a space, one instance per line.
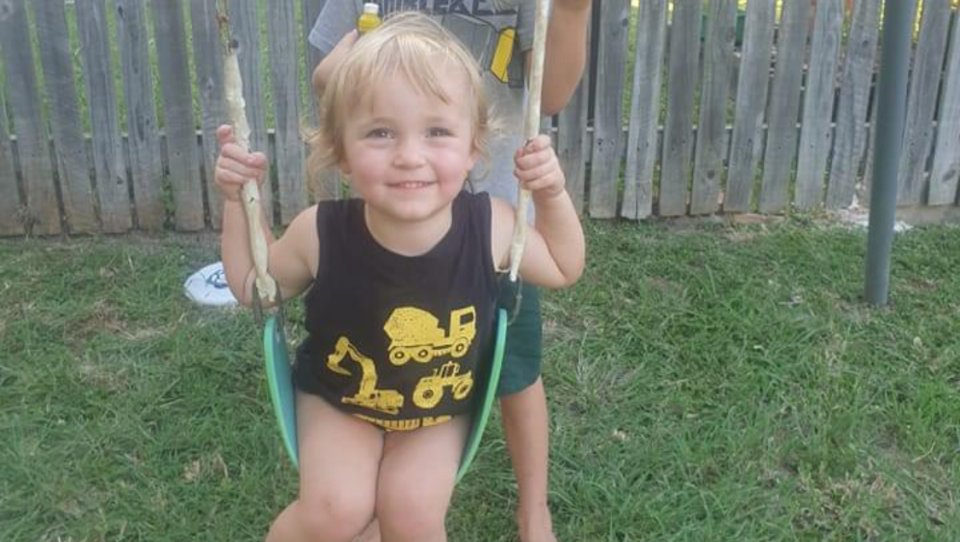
x=686 y=108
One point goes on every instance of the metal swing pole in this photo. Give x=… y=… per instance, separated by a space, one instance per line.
x=892 y=92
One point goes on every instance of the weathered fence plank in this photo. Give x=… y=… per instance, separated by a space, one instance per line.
x=850 y=136
x=183 y=161
x=608 y=105
x=781 y=146
x=143 y=137
x=70 y=149
x=36 y=170
x=922 y=100
x=208 y=63
x=571 y=140
x=10 y=203
x=712 y=126
x=109 y=168
x=245 y=30
x=946 y=158
x=324 y=184
x=864 y=190
x=311 y=10
x=676 y=167
x=746 y=147
x=645 y=110
x=284 y=75
x=816 y=135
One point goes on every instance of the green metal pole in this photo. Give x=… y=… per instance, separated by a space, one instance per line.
x=898 y=16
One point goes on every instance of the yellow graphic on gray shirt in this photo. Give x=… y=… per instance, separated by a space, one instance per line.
x=429 y=390
x=388 y=401
x=503 y=54
x=416 y=334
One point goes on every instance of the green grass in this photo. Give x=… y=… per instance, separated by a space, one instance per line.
x=705 y=383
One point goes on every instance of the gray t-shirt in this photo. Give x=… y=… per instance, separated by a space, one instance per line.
x=497 y=32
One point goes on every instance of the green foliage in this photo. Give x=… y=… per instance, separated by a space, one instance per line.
x=705 y=383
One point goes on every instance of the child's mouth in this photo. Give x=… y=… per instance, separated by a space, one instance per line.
x=410 y=185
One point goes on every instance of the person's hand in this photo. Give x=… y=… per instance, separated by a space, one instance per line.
x=323 y=71
x=235 y=165
x=538 y=169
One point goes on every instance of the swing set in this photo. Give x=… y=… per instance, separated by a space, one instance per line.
x=277 y=359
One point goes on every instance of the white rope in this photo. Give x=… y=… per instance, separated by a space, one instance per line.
x=531 y=128
x=250 y=195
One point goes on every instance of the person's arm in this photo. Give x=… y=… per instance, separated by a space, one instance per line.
x=555 y=248
x=290 y=259
x=565 y=53
x=336 y=21
x=323 y=71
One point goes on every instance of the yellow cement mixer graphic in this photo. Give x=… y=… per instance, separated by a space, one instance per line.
x=416 y=334
x=368 y=396
x=430 y=389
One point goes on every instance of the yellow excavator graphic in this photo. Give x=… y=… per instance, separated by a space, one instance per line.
x=368 y=396
x=429 y=390
x=416 y=334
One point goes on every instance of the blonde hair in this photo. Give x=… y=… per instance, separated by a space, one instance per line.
x=408 y=43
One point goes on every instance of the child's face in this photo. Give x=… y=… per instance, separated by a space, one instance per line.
x=408 y=153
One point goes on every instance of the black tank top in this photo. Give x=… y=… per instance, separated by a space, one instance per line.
x=398 y=340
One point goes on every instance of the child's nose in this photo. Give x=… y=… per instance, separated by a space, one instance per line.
x=409 y=155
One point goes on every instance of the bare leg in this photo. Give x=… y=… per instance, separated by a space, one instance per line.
x=527 y=434
x=417 y=475
x=371 y=533
x=339 y=458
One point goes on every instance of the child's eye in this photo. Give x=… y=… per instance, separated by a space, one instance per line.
x=439 y=132
x=379 y=133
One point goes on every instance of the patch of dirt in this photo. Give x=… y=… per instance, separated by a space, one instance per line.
x=103 y=377
x=103 y=316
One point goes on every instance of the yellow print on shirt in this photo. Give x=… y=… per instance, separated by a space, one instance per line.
x=368 y=396
x=405 y=425
x=430 y=389
x=416 y=334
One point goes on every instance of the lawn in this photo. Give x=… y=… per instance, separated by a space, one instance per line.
x=706 y=383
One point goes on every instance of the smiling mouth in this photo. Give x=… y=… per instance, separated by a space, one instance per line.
x=410 y=185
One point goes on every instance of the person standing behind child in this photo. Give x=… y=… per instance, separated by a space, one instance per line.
x=499 y=34
x=405 y=119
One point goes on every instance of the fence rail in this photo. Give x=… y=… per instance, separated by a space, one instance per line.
x=108 y=109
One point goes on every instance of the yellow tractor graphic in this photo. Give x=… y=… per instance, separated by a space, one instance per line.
x=429 y=390
x=416 y=334
x=388 y=401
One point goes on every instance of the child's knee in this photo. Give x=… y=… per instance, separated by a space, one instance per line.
x=409 y=514
x=339 y=515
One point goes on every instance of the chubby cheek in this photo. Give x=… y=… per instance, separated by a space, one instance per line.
x=454 y=165
x=363 y=166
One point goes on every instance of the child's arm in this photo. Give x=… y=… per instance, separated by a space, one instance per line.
x=565 y=53
x=290 y=259
x=555 y=248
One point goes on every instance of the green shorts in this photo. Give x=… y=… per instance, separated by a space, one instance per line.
x=521 y=358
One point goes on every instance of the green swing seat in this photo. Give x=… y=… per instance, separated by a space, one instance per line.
x=284 y=399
